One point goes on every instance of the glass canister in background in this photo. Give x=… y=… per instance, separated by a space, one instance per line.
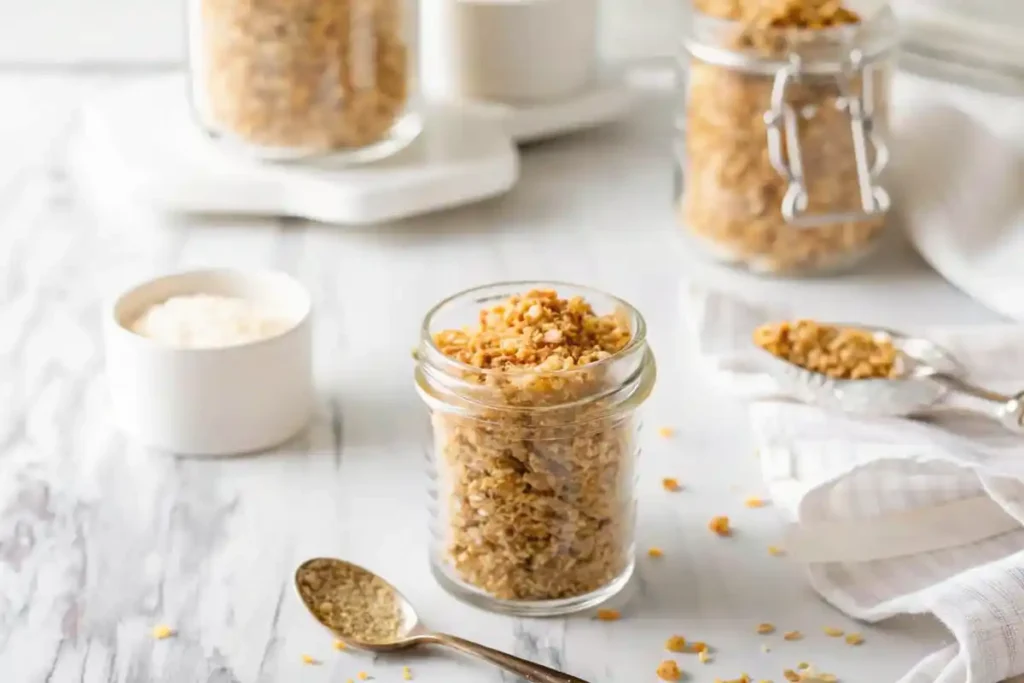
x=533 y=390
x=784 y=133
x=296 y=78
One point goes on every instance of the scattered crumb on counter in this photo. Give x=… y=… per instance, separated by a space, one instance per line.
x=765 y=628
x=669 y=671
x=676 y=644
x=765 y=649
x=655 y=552
x=666 y=432
x=340 y=645
x=310 y=660
x=755 y=502
x=698 y=646
x=703 y=657
x=776 y=551
x=609 y=615
x=363 y=676
x=670 y=484
x=803 y=665
x=792 y=635
x=833 y=632
x=720 y=525
x=406 y=673
x=162 y=631
x=854 y=639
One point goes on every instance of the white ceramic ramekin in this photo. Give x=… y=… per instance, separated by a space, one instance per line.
x=507 y=50
x=215 y=401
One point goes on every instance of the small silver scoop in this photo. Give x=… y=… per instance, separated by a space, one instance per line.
x=928 y=375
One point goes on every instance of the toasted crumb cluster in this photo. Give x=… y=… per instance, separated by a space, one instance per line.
x=676 y=644
x=720 y=525
x=350 y=601
x=807 y=673
x=162 y=631
x=669 y=671
x=732 y=195
x=536 y=472
x=537 y=331
x=841 y=353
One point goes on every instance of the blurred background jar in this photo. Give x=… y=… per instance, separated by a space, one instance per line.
x=297 y=78
x=782 y=137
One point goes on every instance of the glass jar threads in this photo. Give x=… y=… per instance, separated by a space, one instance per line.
x=533 y=390
x=296 y=78
x=784 y=133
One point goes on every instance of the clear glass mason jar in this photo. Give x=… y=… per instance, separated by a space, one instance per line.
x=291 y=79
x=533 y=474
x=783 y=138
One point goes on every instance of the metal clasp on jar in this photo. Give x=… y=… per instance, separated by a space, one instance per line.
x=786 y=156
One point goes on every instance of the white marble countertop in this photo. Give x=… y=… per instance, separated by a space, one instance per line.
x=100 y=540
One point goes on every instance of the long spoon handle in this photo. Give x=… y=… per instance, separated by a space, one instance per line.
x=530 y=671
x=1007 y=410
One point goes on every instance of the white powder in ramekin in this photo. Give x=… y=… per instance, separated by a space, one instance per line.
x=203 y=321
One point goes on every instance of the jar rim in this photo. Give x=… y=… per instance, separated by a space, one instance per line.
x=878 y=37
x=637 y=340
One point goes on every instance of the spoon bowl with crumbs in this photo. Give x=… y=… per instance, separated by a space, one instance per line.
x=874 y=372
x=367 y=613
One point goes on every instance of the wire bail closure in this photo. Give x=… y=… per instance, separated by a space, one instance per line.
x=786 y=156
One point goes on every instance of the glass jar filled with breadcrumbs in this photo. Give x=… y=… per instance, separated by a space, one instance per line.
x=533 y=390
x=784 y=132
x=289 y=79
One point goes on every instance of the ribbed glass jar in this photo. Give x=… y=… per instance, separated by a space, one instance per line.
x=533 y=480
x=291 y=79
x=783 y=136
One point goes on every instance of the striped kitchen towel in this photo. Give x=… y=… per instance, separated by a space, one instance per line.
x=894 y=515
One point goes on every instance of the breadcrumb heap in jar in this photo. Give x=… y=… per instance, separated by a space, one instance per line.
x=537 y=472
x=732 y=197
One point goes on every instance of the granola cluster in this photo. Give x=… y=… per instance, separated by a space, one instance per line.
x=536 y=476
x=301 y=74
x=839 y=352
x=732 y=195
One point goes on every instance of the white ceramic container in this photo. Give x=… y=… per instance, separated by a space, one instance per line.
x=212 y=401
x=507 y=50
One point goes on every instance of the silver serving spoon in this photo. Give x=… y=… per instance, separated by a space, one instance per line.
x=927 y=375
x=413 y=634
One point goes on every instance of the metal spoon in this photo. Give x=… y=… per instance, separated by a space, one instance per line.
x=413 y=634
x=927 y=375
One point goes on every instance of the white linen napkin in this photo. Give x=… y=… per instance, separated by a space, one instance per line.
x=894 y=515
